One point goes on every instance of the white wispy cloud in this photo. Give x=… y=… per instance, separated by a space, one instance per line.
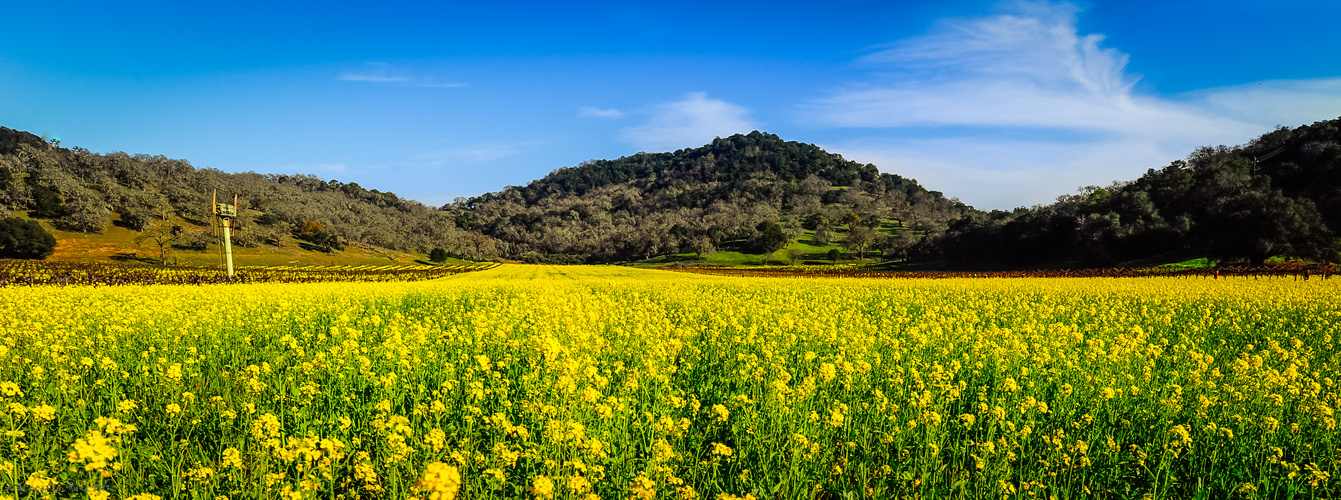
x=594 y=112
x=690 y=122
x=348 y=77
x=382 y=73
x=1005 y=174
x=479 y=152
x=487 y=151
x=1030 y=69
x=1280 y=102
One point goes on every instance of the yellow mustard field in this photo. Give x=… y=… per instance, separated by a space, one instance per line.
x=588 y=382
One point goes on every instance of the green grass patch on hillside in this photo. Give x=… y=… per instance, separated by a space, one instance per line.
x=1190 y=264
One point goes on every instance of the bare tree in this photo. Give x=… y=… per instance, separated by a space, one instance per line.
x=701 y=244
x=823 y=235
x=858 y=238
x=162 y=234
x=900 y=243
x=794 y=255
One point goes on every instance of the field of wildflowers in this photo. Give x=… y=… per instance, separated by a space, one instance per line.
x=584 y=382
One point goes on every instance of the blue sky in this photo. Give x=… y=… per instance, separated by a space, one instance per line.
x=1001 y=104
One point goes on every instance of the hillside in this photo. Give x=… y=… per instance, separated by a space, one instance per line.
x=97 y=204
x=751 y=193
x=745 y=199
x=742 y=195
x=1277 y=196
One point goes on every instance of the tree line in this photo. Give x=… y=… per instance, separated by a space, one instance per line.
x=79 y=191
x=1279 y=195
x=750 y=192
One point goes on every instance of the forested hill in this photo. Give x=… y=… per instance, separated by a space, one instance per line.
x=725 y=163
x=79 y=191
x=734 y=193
x=731 y=193
x=1278 y=195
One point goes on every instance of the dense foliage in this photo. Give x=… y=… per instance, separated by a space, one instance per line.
x=79 y=191
x=1278 y=195
x=739 y=190
x=25 y=239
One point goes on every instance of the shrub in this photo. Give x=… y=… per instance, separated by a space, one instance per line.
x=85 y=216
x=46 y=203
x=25 y=239
x=135 y=219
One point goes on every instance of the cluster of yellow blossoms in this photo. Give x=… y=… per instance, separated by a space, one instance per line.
x=587 y=383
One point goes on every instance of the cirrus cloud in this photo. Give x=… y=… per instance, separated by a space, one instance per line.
x=594 y=112
x=385 y=74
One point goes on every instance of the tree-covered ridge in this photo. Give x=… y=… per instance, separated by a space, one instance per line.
x=1278 y=195
x=79 y=191
x=728 y=163
x=729 y=192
